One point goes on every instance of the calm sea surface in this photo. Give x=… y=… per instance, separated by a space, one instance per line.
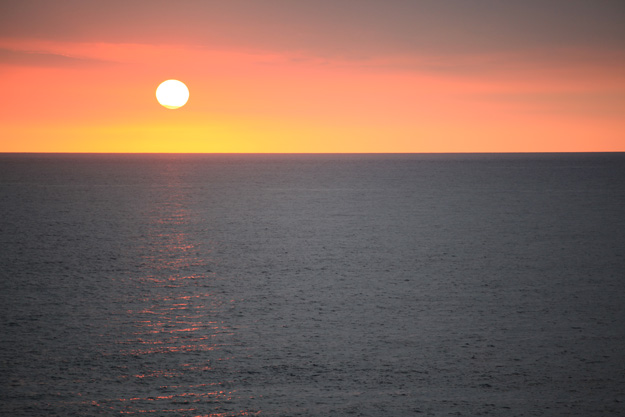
x=312 y=285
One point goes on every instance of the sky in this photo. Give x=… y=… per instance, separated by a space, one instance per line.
x=313 y=76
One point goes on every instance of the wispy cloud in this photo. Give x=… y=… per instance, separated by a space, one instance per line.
x=45 y=59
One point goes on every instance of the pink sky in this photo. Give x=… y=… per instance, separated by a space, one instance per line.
x=342 y=76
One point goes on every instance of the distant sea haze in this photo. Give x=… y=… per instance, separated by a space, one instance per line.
x=312 y=285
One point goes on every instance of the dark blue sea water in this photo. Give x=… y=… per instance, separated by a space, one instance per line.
x=312 y=285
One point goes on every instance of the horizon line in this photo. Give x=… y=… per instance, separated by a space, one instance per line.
x=300 y=153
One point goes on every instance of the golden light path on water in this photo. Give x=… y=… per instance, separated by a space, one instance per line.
x=175 y=332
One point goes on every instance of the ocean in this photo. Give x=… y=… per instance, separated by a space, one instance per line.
x=312 y=285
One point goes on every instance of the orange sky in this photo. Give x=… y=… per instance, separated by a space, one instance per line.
x=293 y=82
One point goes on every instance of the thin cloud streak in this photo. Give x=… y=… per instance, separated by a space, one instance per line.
x=12 y=57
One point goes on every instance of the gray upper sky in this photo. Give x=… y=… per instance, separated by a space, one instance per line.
x=327 y=27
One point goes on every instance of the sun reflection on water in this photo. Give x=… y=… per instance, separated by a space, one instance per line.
x=175 y=346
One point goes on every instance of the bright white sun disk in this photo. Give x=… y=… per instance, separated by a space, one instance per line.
x=172 y=94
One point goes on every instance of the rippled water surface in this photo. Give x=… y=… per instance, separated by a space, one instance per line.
x=312 y=285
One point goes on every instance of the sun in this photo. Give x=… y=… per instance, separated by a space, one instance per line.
x=172 y=94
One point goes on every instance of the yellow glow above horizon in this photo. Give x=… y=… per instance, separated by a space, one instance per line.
x=258 y=101
x=172 y=94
